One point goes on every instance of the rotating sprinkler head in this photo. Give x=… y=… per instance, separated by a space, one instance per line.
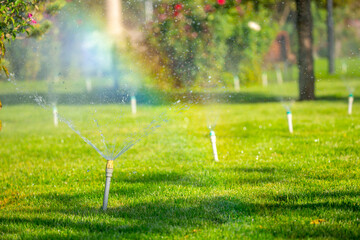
x=213 y=143
x=351 y=101
x=109 y=172
x=289 y=118
x=133 y=104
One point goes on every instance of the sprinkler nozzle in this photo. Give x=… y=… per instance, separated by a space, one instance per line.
x=109 y=172
x=213 y=143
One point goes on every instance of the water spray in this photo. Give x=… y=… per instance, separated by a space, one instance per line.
x=148 y=10
x=264 y=78
x=236 y=83
x=213 y=143
x=351 y=101
x=133 y=104
x=109 y=172
x=289 y=119
x=55 y=114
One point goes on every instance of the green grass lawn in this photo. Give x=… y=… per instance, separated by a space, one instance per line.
x=268 y=184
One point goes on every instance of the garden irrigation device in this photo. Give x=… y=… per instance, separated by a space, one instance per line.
x=213 y=143
x=109 y=172
x=133 y=104
x=351 y=101
x=289 y=119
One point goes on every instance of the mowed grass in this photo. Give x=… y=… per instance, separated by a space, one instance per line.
x=268 y=184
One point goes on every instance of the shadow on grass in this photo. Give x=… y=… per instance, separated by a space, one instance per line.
x=253 y=176
x=179 y=216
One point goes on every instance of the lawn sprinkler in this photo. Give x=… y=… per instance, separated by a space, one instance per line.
x=236 y=83
x=0 y=120
x=351 y=101
x=289 y=119
x=133 y=104
x=88 y=85
x=109 y=172
x=344 y=68
x=55 y=114
x=213 y=143
x=279 y=77
x=264 y=78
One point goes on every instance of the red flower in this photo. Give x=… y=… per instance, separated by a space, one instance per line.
x=208 y=8
x=221 y=2
x=31 y=18
x=176 y=13
x=178 y=7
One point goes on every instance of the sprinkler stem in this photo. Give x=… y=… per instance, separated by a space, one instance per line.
x=213 y=143
x=351 y=101
x=55 y=114
x=109 y=172
x=133 y=104
x=289 y=118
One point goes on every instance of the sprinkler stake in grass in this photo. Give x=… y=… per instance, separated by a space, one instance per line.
x=344 y=68
x=264 y=78
x=88 y=85
x=213 y=143
x=109 y=172
x=55 y=114
x=236 y=83
x=133 y=104
x=289 y=119
x=279 y=77
x=0 y=120
x=351 y=101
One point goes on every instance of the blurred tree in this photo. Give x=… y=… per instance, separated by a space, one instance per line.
x=195 y=42
x=18 y=17
x=305 y=51
x=330 y=37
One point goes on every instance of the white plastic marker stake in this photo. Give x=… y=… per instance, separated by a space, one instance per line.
x=88 y=85
x=213 y=143
x=264 y=79
x=236 y=83
x=289 y=118
x=133 y=104
x=351 y=101
x=55 y=114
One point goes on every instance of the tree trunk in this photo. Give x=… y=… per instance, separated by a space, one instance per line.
x=305 y=57
x=331 y=37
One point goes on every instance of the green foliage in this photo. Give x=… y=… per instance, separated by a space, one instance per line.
x=18 y=17
x=196 y=40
